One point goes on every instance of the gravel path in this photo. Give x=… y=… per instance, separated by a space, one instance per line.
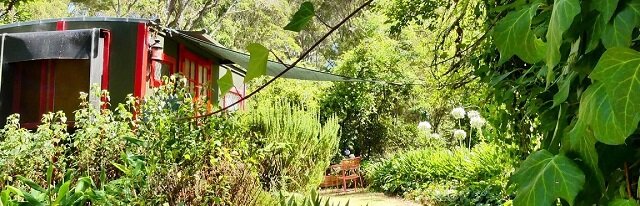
x=363 y=198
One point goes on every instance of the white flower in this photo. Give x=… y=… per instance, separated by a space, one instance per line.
x=473 y=113
x=459 y=134
x=477 y=122
x=458 y=113
x=436 y=136
x=424 y=126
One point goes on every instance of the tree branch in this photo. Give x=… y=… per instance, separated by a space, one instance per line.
x=289 y=67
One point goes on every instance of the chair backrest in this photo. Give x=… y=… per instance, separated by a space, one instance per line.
x=350 y=164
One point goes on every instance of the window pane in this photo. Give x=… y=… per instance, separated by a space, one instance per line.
x=27 y=90
x=67 y=90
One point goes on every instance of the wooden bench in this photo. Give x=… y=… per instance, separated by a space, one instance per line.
x=347 y=170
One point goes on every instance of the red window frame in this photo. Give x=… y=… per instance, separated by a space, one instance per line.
x=198 y=62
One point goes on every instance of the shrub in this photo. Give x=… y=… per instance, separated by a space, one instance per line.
x=411 y=173
x=158 y=156
x=297 y=147
x=162 y=155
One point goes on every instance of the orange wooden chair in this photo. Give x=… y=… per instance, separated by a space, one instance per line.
x=350 y=170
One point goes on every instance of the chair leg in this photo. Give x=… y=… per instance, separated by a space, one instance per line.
x=355 y=185
x=344 y=185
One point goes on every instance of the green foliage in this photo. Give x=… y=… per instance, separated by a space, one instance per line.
x=313 y=199
x=623 y=202
x=617 y=73
x=589 y=73
x=543 y=177
x=257 y=61
x=422 y=172
x=297 y=147
x=367 y=110
x=301 y=18
x=81 y=193
x=157 y=156
x=513 y=36
x=226 y=83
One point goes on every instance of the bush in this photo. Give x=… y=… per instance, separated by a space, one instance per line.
x=420 y=174
x=297 y=147
x=162 y=155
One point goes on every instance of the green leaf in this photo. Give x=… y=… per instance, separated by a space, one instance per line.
x=593 y=37
x=513 y=36
x=561 y=18
x=582 y=142
x=49 y=174
x=618 y=33
x=563 y=90
x=544 y=177
x=62 y=192
x=257 y=61
x=623 y=202
x=301 y=18
x=121 y=167
x=619 y=74
x=225 y=83
x=134 y=140
x=599 y=115
x=31 y=183
x=605 y=7
x=15 y=191
x=4 y=198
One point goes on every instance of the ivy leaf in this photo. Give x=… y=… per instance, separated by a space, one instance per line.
x=544 y=177
x=301 y=18
x=595 y=33
x=605 y=7
x=513 y=36
x=225 y=83
x=581 y=140
x=597 y=112
x=619 y=74
x=623 y=202
x=563 y=90
x=561 y=18
x=257 y=61
x=618 y=33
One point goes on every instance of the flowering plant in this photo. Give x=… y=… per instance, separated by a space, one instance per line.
x=458 y=113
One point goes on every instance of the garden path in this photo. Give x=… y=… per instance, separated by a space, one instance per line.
x=363 y=198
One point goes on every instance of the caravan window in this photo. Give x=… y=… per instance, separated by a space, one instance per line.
x=42 y=86
x=197 y=70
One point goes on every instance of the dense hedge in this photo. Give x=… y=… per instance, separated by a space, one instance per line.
x=423 y=174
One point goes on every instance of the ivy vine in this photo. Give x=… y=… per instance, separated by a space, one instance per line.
x=579 y=63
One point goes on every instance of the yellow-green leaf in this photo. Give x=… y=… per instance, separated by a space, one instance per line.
x=62 y=192
x=259 y=55
x=623 y=202
x=619 y=75
x=513 y=36
x=543 y=178
x=225 y=82
x=301 y=18
x=561 y=18
x=618 y=33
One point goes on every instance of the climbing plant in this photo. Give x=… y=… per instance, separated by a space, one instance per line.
x=574 y=67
